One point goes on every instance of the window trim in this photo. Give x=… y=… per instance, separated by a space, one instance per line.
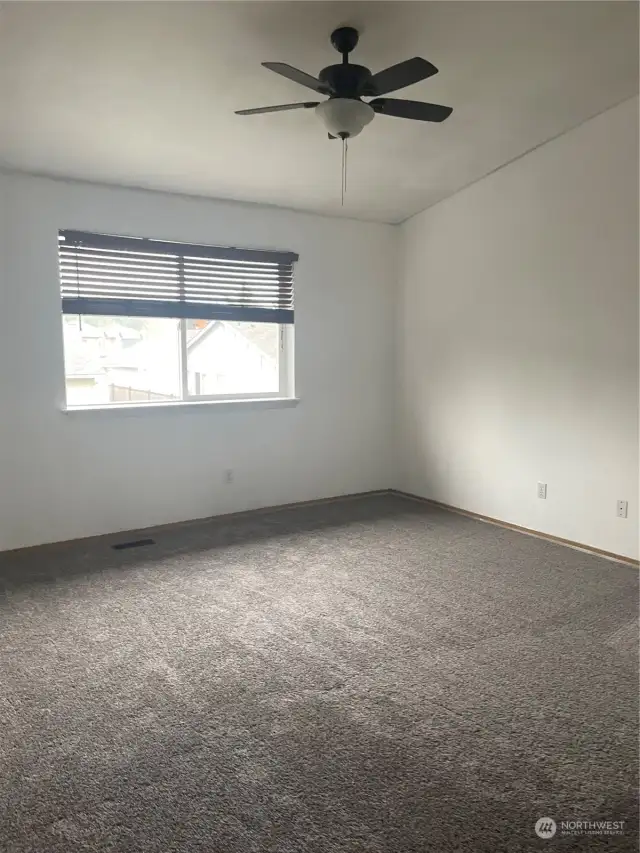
x=120 y=409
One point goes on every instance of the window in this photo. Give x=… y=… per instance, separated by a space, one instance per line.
x=146 y=321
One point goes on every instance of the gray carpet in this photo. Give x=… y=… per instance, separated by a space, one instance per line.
x=370 y=676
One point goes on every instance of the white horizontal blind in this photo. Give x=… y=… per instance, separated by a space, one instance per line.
x=130 y=276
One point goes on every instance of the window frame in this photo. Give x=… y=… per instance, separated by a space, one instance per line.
x=285 y=372
x=285 y=378
x=223 y=302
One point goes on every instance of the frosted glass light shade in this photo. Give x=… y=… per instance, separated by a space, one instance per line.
x=344 y=117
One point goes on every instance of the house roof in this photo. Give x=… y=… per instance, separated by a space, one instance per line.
x=259 y=334
x=197 y=339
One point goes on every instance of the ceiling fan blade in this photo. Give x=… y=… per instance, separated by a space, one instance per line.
x=416 y=110
x=400 y=75
x=306 y=105
x=296 y=75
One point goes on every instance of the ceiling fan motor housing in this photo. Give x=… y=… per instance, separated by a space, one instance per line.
x=345 y=80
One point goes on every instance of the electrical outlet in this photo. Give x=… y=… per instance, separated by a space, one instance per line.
x=621 y=509
x=542 y=491
x=228 y=475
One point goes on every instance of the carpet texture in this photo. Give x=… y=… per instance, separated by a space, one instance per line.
x=369 y=676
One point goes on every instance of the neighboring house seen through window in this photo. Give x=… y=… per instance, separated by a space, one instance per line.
x=148 y=321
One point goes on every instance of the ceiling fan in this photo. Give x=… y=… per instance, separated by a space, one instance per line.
x=345 y=114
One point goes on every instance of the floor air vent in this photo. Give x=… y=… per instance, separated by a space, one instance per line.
x=135 y=543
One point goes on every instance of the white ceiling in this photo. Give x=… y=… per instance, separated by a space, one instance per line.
x=143 y=94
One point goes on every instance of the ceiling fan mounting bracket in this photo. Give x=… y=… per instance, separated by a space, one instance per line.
x=344 y=39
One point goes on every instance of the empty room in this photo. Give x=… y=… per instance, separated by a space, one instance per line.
x=319 y=329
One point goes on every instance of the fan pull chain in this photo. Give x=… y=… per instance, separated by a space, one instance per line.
x=345 y=151
x=342 y=172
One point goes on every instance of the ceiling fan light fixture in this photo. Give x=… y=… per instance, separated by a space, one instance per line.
x=344 y=117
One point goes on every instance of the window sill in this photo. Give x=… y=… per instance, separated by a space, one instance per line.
x=252 y=403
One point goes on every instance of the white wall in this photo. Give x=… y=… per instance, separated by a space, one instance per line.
x=516 y=357
x=71 y=475
x=518 y=340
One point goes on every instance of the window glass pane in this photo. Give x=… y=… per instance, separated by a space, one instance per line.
x=121 y=359
x=228 y=357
